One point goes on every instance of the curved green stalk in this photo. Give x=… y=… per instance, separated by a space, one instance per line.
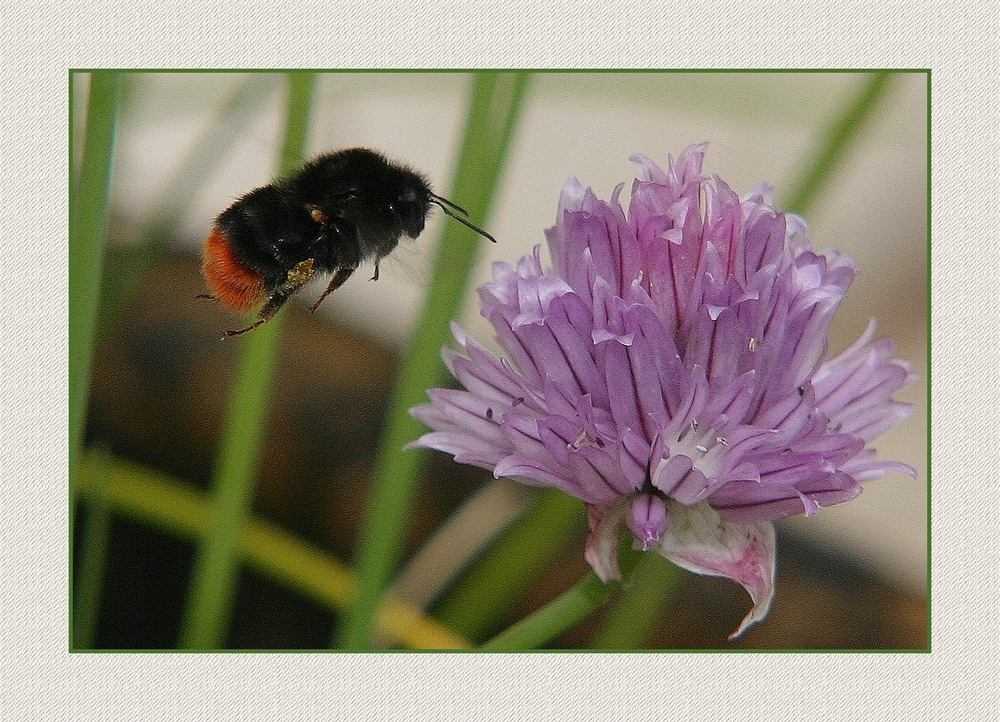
x=157 y=500
x=556 y=617
x=495 y=581
x=639 y=608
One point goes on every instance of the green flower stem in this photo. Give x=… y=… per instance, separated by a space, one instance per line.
x=556 y=617
x=495 y=106
x=494 y=583
x=838 y=141
x=168 y=505
x=561 y=614
x=89 y=224
x=216 y=566
x=640 y=606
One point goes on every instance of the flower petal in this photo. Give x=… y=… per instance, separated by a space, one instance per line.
x=601 y=549
x=647 y=518
x=697 y=539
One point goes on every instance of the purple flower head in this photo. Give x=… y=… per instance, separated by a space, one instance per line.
x=671 y=371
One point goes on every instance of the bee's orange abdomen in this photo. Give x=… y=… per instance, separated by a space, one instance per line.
x=233 y=284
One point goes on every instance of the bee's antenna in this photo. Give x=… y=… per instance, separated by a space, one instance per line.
x=444 y=204
x=442 y=200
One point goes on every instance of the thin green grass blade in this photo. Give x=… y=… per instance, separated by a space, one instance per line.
x=216 y=567
x=838 y=141
x=89 y=579
x=89 y=224
x=495 y=107
x=495 y=581
x=571 y=608
x=90 y=199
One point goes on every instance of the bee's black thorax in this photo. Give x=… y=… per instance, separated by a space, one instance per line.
x=366 y=200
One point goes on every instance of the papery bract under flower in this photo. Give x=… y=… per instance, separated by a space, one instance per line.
x=671 y=371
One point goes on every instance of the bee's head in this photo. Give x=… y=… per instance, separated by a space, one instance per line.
x=410 y=208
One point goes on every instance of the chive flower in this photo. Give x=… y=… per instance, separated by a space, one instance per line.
x=671 y=370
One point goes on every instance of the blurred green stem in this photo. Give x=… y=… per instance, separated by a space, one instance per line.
x=837 y=143
x=638 y=610
x=89 y=580
x=128 y=267
x=556 y=617
x=496 y=580
x=216 y=567
x=495 y=106
x=86 y=248
x=90 y=194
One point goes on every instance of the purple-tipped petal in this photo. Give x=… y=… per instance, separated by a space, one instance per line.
x=647 y=518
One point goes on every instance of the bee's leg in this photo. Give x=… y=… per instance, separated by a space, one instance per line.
x=296 y=278
x=341 y=275
x=270 y=308
x=375 y=275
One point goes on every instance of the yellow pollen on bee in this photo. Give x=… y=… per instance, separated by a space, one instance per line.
x=302 y=270
x=300 y=274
